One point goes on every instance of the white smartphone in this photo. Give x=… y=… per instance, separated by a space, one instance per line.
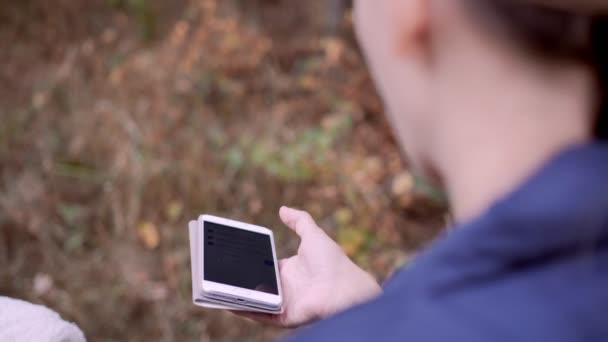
x=239 y=264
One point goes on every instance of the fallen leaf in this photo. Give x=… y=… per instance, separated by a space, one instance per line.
x=343 y=216
x=309 y=82
x=403 y=184
x=174 y=210
x=148 y=234
x=334 y=49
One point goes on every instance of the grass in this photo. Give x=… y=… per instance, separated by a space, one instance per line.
x=131 y=114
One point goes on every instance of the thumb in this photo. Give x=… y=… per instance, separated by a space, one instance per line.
x=299 y=221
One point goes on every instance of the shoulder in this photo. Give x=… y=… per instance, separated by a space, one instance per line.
x=392 y=318
x=425 y=304
x=473 y=314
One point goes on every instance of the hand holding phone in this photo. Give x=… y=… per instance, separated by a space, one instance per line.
x=320 y=280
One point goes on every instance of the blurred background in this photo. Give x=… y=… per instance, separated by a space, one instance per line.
x=120 y=120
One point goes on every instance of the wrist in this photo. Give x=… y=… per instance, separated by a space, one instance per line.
x=353 y=286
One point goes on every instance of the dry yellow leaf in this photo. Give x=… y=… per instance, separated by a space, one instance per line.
x=403 y=184
x=174 y=210
x=309 y=82
x=334 y=49
x=343 y=216
x=148 y=234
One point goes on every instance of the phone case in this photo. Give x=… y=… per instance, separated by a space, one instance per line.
x=197 y=298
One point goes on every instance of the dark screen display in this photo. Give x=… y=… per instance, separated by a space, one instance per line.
x=239 y=258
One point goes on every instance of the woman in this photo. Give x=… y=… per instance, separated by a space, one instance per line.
x=501 y=102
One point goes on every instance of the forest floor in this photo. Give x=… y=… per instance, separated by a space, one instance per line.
x=120 y=120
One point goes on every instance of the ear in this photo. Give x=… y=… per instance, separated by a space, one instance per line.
x=412 y=22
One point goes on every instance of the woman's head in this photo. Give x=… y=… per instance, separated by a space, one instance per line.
x=446 y=69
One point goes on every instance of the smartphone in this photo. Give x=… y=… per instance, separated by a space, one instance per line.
x=239 y=264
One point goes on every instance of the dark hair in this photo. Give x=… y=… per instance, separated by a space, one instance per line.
x=567 y=32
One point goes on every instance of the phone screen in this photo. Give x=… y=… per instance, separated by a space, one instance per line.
x=239 y=258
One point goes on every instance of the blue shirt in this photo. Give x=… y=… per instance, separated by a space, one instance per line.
x=534 y=267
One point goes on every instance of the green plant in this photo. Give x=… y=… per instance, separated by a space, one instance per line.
x=296 y=160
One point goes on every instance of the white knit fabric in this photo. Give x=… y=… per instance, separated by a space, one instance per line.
x=25 y=322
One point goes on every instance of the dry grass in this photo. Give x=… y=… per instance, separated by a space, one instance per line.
x=121 y=120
